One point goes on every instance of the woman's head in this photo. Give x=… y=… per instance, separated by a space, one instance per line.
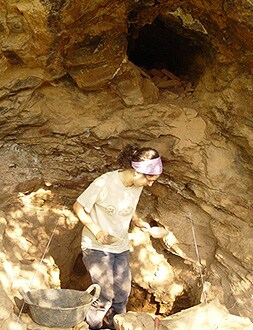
x=145 y=162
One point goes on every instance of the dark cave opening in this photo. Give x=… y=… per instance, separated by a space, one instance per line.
x=158 y=46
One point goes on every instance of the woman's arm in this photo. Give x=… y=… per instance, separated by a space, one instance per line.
x=85 y=218
x=138 y=222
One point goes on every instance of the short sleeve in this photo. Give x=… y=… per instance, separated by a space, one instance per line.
x=91 y=194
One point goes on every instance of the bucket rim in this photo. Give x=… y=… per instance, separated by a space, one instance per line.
x=59 y=308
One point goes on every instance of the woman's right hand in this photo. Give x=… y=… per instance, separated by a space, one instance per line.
x=102 y=237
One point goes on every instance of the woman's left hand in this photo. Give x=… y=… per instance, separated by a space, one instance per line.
x=102 y=237
x=142 y=224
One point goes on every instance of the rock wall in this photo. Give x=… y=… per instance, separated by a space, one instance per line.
x=70 y=99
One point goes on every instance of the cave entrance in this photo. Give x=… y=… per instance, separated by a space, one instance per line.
x=158 y=46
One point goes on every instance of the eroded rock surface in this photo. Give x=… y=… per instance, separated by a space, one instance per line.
x=211 y=316
x=75 y=87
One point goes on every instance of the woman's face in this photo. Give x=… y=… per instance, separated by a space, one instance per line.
x=144 y=180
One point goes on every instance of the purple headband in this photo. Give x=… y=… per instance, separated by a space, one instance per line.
x=149 y=166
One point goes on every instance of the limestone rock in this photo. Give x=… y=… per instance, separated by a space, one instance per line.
x=72 y=94
x=133 y=321
x=8 y=319
x=132 y=88
x=6 y=306
x=40 y=35
x=204 y=316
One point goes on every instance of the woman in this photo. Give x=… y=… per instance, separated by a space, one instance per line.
x=106 y=208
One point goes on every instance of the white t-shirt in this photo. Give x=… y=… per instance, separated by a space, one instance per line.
x=111 y=206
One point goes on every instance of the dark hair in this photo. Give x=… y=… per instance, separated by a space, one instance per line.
x=134 y=153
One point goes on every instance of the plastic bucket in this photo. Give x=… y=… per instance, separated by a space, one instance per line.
x=60 y=308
